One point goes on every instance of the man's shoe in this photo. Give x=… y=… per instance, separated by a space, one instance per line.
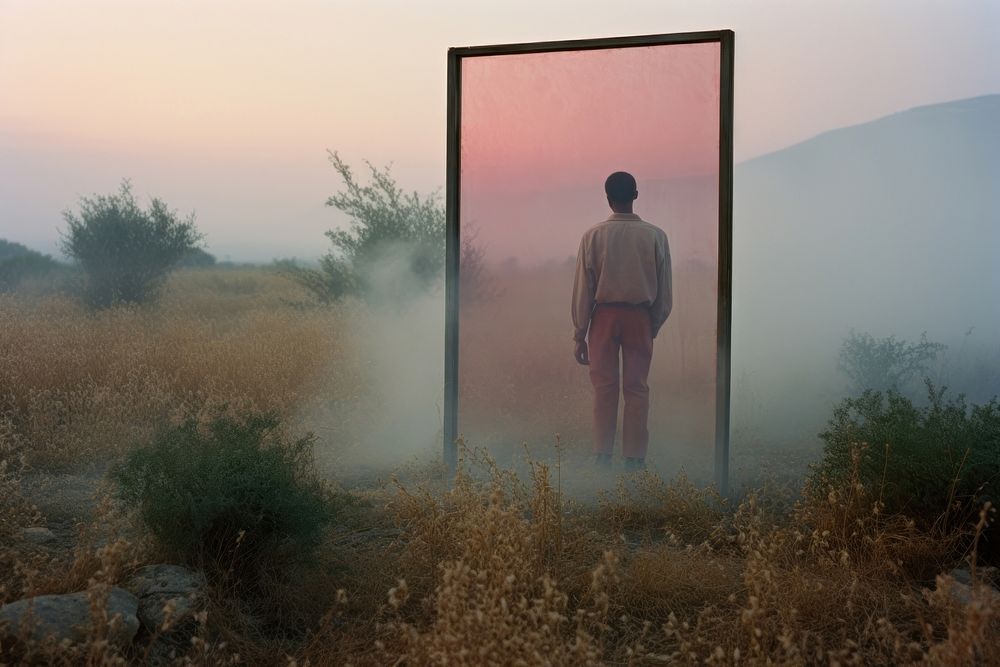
x=634 y=464
x=603 y=461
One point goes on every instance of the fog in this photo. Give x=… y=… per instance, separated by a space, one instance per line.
x=890 y=228
x=887 y=228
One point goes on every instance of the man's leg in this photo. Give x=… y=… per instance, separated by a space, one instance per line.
x=637 y=353
x=602 y=343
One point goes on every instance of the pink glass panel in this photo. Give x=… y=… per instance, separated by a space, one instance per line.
x=539 y=134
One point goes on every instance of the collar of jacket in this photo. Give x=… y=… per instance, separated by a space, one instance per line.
x=624 y=216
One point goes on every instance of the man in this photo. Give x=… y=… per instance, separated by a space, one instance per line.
x=622 y=295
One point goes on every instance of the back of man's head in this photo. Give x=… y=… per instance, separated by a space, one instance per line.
x=620 y=187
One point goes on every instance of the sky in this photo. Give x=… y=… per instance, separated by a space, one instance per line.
x=227 y=107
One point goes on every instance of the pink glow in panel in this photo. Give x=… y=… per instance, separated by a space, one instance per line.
x=539 y=134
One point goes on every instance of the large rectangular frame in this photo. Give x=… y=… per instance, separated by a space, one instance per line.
x=725 y=38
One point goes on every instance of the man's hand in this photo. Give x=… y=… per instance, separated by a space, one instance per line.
x=582 y=355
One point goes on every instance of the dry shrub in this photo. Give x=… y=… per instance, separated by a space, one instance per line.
x=834 y=585
x=226 y=294
x=490 y=563
x=494 y=551
x=846 y=523
x=661 y=580
x=493 y=570
x=655 y=509
x=15 y=510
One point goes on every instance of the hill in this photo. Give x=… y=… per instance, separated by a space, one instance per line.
x=890 y=227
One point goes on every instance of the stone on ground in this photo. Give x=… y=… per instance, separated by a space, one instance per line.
x=158 y=586
x=68 y=617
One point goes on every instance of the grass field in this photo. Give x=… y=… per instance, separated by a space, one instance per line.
x=536 y=560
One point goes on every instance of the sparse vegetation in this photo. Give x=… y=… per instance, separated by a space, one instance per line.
x=485 y=569
x=126 y=252
x=81 y=386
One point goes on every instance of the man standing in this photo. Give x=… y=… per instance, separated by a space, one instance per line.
x=622 y=295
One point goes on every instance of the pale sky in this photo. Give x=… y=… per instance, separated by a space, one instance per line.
x=226 y=108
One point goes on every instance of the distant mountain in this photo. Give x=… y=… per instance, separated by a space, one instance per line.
x=892 y=226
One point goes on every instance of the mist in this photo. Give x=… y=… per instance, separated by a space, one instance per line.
x=396 y=335
x=889 y=228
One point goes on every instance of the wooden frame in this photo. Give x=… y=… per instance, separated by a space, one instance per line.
x=725 y=38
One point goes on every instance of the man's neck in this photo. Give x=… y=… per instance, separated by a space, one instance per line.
x=622 y=208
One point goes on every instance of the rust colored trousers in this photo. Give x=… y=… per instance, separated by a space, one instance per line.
x=625 y=330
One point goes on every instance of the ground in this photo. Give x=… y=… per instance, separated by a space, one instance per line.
x=538 y=560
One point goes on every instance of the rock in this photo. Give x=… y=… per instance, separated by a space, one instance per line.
x=158 y=586
x=959 y=592
x=962 y=576
x=985 y=574
x=959 y=586
x=38 y=535
x=68 y=617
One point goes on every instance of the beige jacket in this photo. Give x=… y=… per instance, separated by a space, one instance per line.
x=622 y=260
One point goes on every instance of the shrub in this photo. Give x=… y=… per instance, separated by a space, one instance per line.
x=197 y=258
x=230 y=494
x=941 y=459
x=10 y=249
x=126 y=252
x=885 y=363
x=386 y=223
x=330 y=282
x=32 y=267
x=393 y=248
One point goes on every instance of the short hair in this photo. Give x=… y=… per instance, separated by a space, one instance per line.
x=620 y=186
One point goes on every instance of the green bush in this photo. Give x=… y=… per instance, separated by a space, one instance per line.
x=197 y=258
x=330 y=282
x=229 y=495
x=30 y=268
x=942 y=459
x=394 y=240
x=126 y=252
x=393 y=248
x=10 y=249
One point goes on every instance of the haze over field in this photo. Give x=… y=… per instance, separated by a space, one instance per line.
x=889 y=227
x=850 y=211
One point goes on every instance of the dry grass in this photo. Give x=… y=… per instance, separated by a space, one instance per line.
x=487 y=568
x=78 y=385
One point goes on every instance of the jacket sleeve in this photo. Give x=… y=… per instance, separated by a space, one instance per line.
x=664 y=303
x=584 y=289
